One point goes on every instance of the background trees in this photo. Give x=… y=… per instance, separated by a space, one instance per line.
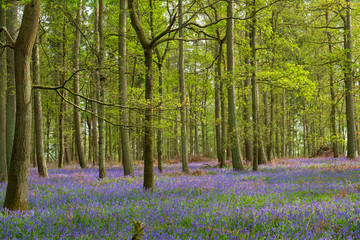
x=250 y=78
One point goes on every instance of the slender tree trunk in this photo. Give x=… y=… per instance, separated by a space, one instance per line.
x=3 y=78
x=124 y=132
x=61 y=135
x=65 y=107
x=254 y=90
x=270 y=150
x=48 y=124
x=181 y=65
x=77 y=116
x=203 y=126
x=102 y=169
x=247 y=99
x=11 y=23
x=219 y=151
x=111 y=157
x=224 y=141
x=148 y=131
x=235 y=151
x=349 y=95
x=16 y=191
x=283 y=134
x=159 y=133
x=39 y=136
x=90 y=157
x=332 y=94
x=95 y=91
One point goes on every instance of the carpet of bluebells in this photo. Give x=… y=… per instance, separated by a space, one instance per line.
x=293 y=199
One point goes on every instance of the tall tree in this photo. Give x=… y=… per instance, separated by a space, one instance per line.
x=247 y=93
x=77 y=117
x=184 y=150
x=102 y=170
x=148 y=45
x=349 y=95
x=17 y=189
x=39 y=136
x=124 y=131
x=3 y=78
x=235 y=151
x=332 y=93
x=11 y=23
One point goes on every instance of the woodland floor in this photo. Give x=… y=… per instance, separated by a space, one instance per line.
x=289 y=199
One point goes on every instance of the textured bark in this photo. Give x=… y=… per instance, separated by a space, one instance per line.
x=128 y=162
x=102 y=169
x=17 y=189
x=148 y=131
x=95 y=92
x=77 y=117
x=235 y=151
x=349 y=95
x=11 y=23
x=38 y=119
x=3 y=78
x=149 y=88
x=65 y=106
x=254 y=90
x=332 y=94
x=247 y=100
x=181 y=63
x=159 y=132
x=218 y=75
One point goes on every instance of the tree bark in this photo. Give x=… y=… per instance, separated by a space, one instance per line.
x=65 y=106
x=349 y=95
x=77 y=117
x=332 y=94
x=3 y=78
x=159 y=133
x=247 y=99
x=11 y=23
x=102 y=169
x=17 y=189
x=181 y=64
x=219 y=152
x=39 y=135
x=124 y=131
x=235 y=151
x=254 y=90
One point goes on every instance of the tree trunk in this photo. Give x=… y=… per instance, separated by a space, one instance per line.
x=283 y=134
x=77 y=117
x=95 y=92
x=111 y=157
x=39 y=135
x=11 y=23
x=332 y=94
x=219 y=151
x=3 y=78
x=17 y=188
x=247 y=99
x=102 y=169
x=181 y=65
x=124 y=131
x=349 y=97
x=65 y=110
x=148 y=131
x=235 y=151
x=254 y=90
x=159 y=133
